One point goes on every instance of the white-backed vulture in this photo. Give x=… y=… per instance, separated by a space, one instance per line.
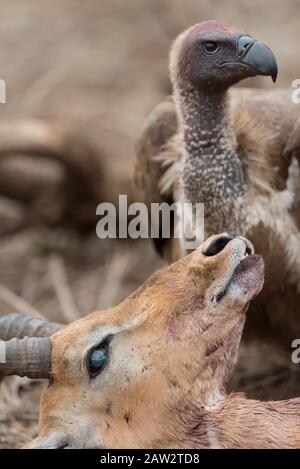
x=236 y=150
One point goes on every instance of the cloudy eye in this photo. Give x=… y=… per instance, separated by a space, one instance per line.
x=97 y=359
x=211 y=47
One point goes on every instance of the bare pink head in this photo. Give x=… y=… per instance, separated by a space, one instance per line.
x=215 y=54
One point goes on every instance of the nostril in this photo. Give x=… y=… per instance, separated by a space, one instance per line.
x=248 y=251
x=217 y=245
x=243 y=44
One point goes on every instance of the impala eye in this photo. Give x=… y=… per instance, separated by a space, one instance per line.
x=211 y=47
x=97 y=359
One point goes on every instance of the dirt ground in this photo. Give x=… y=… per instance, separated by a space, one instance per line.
x=102 y=65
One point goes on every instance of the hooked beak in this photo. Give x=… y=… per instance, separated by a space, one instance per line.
x=257 y=56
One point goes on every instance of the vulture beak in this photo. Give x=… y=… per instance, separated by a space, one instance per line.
x=257 y=55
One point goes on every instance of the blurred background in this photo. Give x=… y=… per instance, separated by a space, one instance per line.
x=81 y=77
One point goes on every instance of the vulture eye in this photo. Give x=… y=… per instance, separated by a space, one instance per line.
x=211 y=47
x=97 y=359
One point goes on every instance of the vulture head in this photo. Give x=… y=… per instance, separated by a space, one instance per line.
x=218 y=55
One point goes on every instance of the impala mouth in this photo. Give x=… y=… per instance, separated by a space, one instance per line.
x=248 y=276
x=246 y=280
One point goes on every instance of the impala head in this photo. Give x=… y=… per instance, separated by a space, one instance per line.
x=119 y=377
x=216 y=55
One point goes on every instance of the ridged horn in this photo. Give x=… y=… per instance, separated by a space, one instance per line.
x=19 y=325
x=29 y=357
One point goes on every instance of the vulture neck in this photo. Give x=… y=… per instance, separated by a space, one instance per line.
x=212 y=172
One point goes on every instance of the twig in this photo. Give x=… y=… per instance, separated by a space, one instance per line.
x=262 y=381
x=113 y=275
x=18 y=303
x=59 y=280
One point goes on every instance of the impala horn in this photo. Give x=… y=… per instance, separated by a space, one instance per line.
x=25 y=347
x=29 y=357
x=19 y=325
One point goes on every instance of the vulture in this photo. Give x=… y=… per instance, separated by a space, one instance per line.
x=236 y=150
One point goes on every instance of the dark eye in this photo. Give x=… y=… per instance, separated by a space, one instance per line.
x=211 y=47
x=97 y=359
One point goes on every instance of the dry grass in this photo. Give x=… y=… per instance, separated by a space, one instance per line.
x=63 y=277
x=103 y=65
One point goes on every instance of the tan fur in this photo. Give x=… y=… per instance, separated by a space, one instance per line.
x=172 y=353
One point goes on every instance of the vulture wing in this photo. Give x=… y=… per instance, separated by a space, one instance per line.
x=265 y=122
x=160 y=128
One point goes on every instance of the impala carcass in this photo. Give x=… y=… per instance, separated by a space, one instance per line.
x=152 y=372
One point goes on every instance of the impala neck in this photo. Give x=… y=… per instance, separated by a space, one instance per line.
x=212 y=171
x=248 y=423
x=238 y=422
x=191 y=420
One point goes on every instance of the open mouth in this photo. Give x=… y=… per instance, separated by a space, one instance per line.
x=247 y=278
x=249 y=274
